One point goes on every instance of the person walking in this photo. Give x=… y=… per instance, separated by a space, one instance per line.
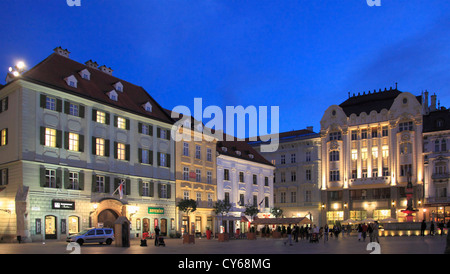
x=375 y=232
x=370 y=230
x=364 y=231
x=423 y=227
x=289 y=234
x=156 y=235
x=295 y=233
x=432 y=228
x=359 y=229
x=326 y=230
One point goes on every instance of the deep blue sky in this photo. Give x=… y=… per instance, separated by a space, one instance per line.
x=300 y=55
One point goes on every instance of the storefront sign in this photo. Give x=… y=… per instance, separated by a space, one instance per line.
x=155 y=210
x=63 y=205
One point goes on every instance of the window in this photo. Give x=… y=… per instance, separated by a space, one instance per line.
x=146 y=189
x=405 y=126
x=354 y=155
x=50 y=137
x=163 y=134
x=73 y=180
x=120 y=151
x=334 y=175
x=334 y=156
x=385 y=171
x=354 y=135
x=100 y=184
x=74 y=109
x=145 y=129
x=283 y=197
x=241 y=199
x=198 y=151
x=185 y=149
x=3 y=177
x=226 y=174
x=73 y=141
x=283 y=159
x=4 y=137
x=50 y=178
x=405 y=170
x=186 y=195
x=293 y=158
x=374 y=132
x=208 y=154
x=227 y=197
x=198 y=175
x=145 y=156
x=100 y=117
x=293 y=176
x=199 y=197
x=99 y=146
x=209 y=177
x=364 y=134
x=385 y=131
x=121 y=123
x=308 y=156
x=241 y=177
x=308 y=175
x=266 y=181
x=186 y=173
x=210 y=200
x=293 y=196
x=4 y=104
x=255 y=179
x=283 y=177
x=335 y=136
x=308 y=196
x=443 y=145
x=50 y=103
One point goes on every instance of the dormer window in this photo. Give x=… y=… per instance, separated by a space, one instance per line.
x=71 y=81
x=113 y=95
x=147 y=106
x=251 y=156
x=118 y=86
x=224 y=149
x=238 y=152
x=85 y=74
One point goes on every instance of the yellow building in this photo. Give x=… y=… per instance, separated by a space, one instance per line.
x=195 y=178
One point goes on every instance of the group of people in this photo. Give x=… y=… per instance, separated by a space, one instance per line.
x=308 y=232
x=371 y=229
x=440 y=226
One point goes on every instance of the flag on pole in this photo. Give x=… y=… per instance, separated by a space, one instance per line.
x=121 y=189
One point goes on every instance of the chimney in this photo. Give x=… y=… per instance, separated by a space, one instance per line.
x=433 y=102
x=106 y=70
x=310 y=128
x=91 y=64
x=62 y=52
x=425 y=107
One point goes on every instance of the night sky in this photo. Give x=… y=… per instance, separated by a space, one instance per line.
x=300 y=55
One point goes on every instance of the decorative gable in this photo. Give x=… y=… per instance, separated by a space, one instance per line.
x=85 y=74
x=71 y=81
x=147 y=106
x=118 y=86
x=113 y=95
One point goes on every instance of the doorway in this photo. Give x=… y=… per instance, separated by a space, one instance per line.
x=50 y=227
x=107 y=217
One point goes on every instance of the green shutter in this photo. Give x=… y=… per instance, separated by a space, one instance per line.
x=59 y=178
x=127 y=124
x=115 y=120
x=128 y=186
x=107 y=147
x=58 y=105
x=107 y=184
x=66 y=140
x=94 y=115
x=140 y=187
x=139 y=127
x=169 y=190
x=81 y=111
x=93 y=146
x=140 y=155
x=42 y=136
x=159 y=190
x=167 y=160
x=152 y=189
x=150 y=155
x=58 y=138
x=43 y=101
x=81 y=180
x=94 y=183
x=66 y=107
x=115 y=150
x=66 y=178
x=127 y=152
x=42 y=176
x=81 y=143
x=107 y=118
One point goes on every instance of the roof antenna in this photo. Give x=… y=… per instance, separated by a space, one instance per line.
x=395 y=85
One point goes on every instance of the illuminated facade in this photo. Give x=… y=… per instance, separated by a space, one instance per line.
x=371 y=146
x=436 y=138
x=70 y=134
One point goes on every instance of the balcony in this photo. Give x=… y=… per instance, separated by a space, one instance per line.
x=440 y=176
x=384 y=180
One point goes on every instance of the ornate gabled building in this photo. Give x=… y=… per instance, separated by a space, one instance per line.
x=71 y=134
x=436 y=153
x=371 y=146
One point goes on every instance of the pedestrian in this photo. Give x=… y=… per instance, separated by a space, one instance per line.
x=326 y=230
x=359 y=229
x=156 y=235
x=432 y=228
x=370 y=230
x=364 y=231
x=423 y=227
x=295 y=233
x=441 y=227
x=289 y=235
x=375 y=232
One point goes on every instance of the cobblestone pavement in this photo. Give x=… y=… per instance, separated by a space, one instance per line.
x=341 y=245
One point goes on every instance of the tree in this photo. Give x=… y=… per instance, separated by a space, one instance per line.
x=222 y=207
x=187 y=206
x=277 y=212
x=252 y=211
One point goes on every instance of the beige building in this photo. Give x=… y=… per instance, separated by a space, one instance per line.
x=195 y=171
x=371 y=145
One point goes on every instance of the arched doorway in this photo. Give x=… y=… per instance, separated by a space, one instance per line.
x=107 y=217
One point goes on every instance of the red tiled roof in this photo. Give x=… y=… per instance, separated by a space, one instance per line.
x=245 y=149
x=52 y=71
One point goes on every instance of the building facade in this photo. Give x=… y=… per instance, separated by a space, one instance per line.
x=371 y=148
x=244 y=177
x=436 y=138
x=195 y=178
x=73 y=134
x=297 y=175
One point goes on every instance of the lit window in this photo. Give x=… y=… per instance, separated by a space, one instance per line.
x=4 y=137
x=99 y=146
x=50 y=137
x=50 y=178
x=121 y=123
x=73 y=141
x=120 y=151
x=101 y=117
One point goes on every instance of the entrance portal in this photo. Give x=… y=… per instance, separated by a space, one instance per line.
x=107 y=217
x=50 y=227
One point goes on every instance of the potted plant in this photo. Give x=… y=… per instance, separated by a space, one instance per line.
x=188 y=206
x=221 y=207
x=277 y=232
x=277 y=212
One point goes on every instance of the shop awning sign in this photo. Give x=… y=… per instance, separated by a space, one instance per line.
x=155 y=210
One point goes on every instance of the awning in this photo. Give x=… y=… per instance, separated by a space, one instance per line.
x=244 y=219
x=282 y=221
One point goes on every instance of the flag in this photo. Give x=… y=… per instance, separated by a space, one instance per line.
x=121 y=189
